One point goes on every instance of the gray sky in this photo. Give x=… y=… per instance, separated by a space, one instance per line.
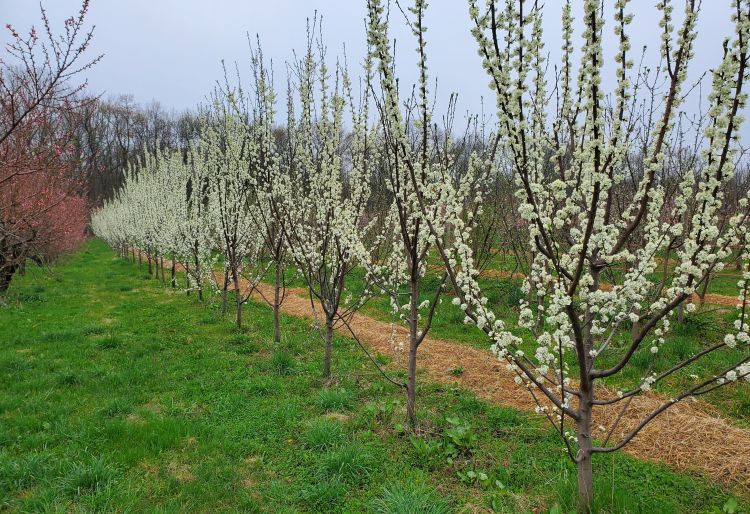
x=170 y=50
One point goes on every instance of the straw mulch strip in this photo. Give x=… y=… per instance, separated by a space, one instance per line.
x=717 y=299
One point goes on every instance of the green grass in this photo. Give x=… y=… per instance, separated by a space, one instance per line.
x=119 y=395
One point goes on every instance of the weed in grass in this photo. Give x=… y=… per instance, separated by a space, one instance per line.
x=262 y=386
x=117 y=407
x=21 y=473
x=243 y=344
x=14 y=364
x=504 y=417
x=68 y=378
x=93 y=330
x=331 y=399
x=468 y=404
x=281 y=362
x=5 y=437
x=108 y=342
x=351 y=463
x=510 y=292
x=35 y=298
x=382 y=360
x=460 y=438
x=428 y=453
x=239 y=339
x=209 y=318
x=323 y=495
x=161 y=435
x=87 y=477
x=59 y=335
x=247 y=349
x=31 y=295
x=323 y=434
x=410 y=498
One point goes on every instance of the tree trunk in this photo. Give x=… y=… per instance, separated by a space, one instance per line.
x=198 y=285
x=161 y=261
x=6 y=276
x=140 y=257
x=150 y=267
x=704 y=290
x=411 y=384
x=237 y=297
x=277 y=305
x=585 y=469
x=174 y=280
x=187 y=279
x=681 y=313
x=328 y=346
x=224 y=293
x=635 y=330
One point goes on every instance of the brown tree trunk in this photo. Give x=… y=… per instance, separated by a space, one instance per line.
x=6 y=275
x=174 y=280
x=635 y=330
x=150 y=267
x=277 y=305
x=704 y=290
x=585 y=409
x=224 y=292
x=161 y=261
x=237 y=297
x=585 y=468
x=328 y=346
x=199 y=286
x=187 y=279
x=411 y=383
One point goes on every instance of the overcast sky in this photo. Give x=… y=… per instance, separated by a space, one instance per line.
x=171 y=50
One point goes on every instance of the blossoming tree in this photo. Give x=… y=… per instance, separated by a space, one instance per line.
x=328 y=232
x=42 y=209
x=228 y=151
x=417 y=158
x=267 y=182
x=587 y=216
